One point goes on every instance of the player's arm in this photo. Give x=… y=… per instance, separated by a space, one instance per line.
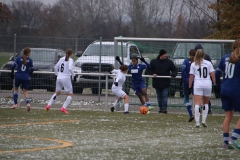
x=31 y=69
x=191 y=77
x=119 y=61
x=219 y=71
x=144 y=61
x=173 y=70
x=12 y=69
x=71 y=67
x=184 y=66
x=57 y=67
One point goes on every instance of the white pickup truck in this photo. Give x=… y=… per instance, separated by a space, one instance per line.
x=90 y=62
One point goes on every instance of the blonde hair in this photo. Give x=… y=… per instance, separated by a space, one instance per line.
x=235 y=57
x=199 y=56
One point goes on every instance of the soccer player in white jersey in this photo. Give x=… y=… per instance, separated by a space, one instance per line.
x=200 y=72
x=63 y=71
x=117 y=88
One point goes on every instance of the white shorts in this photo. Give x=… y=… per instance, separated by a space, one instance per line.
x=206 y=92
x=64 y=83
x=119 y=93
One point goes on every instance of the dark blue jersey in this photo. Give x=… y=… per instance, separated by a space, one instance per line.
x=186 y=68
x=22 y=70
x=136 y=72
x=231 y=76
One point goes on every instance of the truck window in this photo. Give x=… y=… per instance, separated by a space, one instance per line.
x=134 y=51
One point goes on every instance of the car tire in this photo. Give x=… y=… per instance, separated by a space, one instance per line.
x=95 y=90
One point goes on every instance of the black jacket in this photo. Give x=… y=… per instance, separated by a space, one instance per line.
x=162 y=68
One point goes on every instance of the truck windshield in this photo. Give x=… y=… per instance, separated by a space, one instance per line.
x=43 y=55
x=212 y=49
x=107 y=50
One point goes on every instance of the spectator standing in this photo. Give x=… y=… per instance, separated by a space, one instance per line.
x=208 y=58
x=162 y=66
x=24 y=70
x=200 y=72
x=185 y=81
x=230 y=95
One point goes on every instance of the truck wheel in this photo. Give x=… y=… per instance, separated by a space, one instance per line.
x=77 y=89
x=95 y=90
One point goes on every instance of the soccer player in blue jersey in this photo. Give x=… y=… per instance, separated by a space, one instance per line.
x=24 y=70
x=230 y=95
x=185 y=80
x=138 y=83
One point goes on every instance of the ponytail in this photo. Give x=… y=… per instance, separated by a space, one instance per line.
x=68 y=54
x=26 y=53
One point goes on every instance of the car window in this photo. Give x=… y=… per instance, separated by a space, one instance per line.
x=107 y=50
x=214 y=50
x=43 y=55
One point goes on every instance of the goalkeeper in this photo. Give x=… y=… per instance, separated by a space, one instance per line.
x=138 y=83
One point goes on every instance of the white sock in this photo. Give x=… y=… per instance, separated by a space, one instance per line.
x=115 y=103
x=67 y=102
x=126 y=107
x=51 y=101
x=197 y=114
x=205 y=113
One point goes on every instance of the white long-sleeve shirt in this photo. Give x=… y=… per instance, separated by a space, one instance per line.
x=64 y=69
x=120 y=78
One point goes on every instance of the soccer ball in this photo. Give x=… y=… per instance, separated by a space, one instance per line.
x=143 y=110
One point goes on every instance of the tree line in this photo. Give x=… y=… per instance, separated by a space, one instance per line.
x=129 y=18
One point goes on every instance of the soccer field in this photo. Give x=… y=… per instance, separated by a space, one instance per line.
x=105 y=135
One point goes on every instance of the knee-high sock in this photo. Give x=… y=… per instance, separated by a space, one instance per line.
x=204 y=113
x=51 y=101
x=189 y=109
x=126 y=107
x=15 y=97
x=67 y=102
x=115 y=103
x=197 y=114
x=27 y=100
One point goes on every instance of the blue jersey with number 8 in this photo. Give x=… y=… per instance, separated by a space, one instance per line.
x=231 y=76
x=22 y=70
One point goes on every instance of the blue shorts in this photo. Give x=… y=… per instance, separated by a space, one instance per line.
x=138 y=86
x=230 y=103
x=25 y=83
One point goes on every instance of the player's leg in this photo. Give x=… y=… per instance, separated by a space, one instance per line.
x=59 y=87
x=25 y=87
x=68 y=88
x=116 y=102
x=15 y=93
x=198 y=92
x=126 y=103
x=206 y=97
x=143 y=88
x=235 y=102
x=209 y=107
x=164 y=99
x=186 y=100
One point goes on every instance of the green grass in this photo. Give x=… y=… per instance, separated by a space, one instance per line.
x=4 y=58
x=106 y=135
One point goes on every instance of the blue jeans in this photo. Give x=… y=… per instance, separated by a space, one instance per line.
x=162 y=97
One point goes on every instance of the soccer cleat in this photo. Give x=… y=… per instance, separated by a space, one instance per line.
x=227 y=146
x=209 y=111
x=204 y=124
x=126 y=112
x=164 y=111
x=14 y=106
x=64 y=110
x=28 y=107
x=234 y=144
x=47 y=108
x=150 y=108
x=112 y=109
x=197 y=125
x=191 y=119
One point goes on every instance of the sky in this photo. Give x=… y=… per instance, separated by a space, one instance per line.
x=44 y=1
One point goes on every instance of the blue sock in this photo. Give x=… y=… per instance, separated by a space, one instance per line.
x=235 y=134
x=27 y=100
x=225 y=137
x=189 y=109
x=148 y=103
x=15 y=97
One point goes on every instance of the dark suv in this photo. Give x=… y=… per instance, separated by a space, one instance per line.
x=44 y=59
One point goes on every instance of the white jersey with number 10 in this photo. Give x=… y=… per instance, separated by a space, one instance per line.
x=202 y=74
